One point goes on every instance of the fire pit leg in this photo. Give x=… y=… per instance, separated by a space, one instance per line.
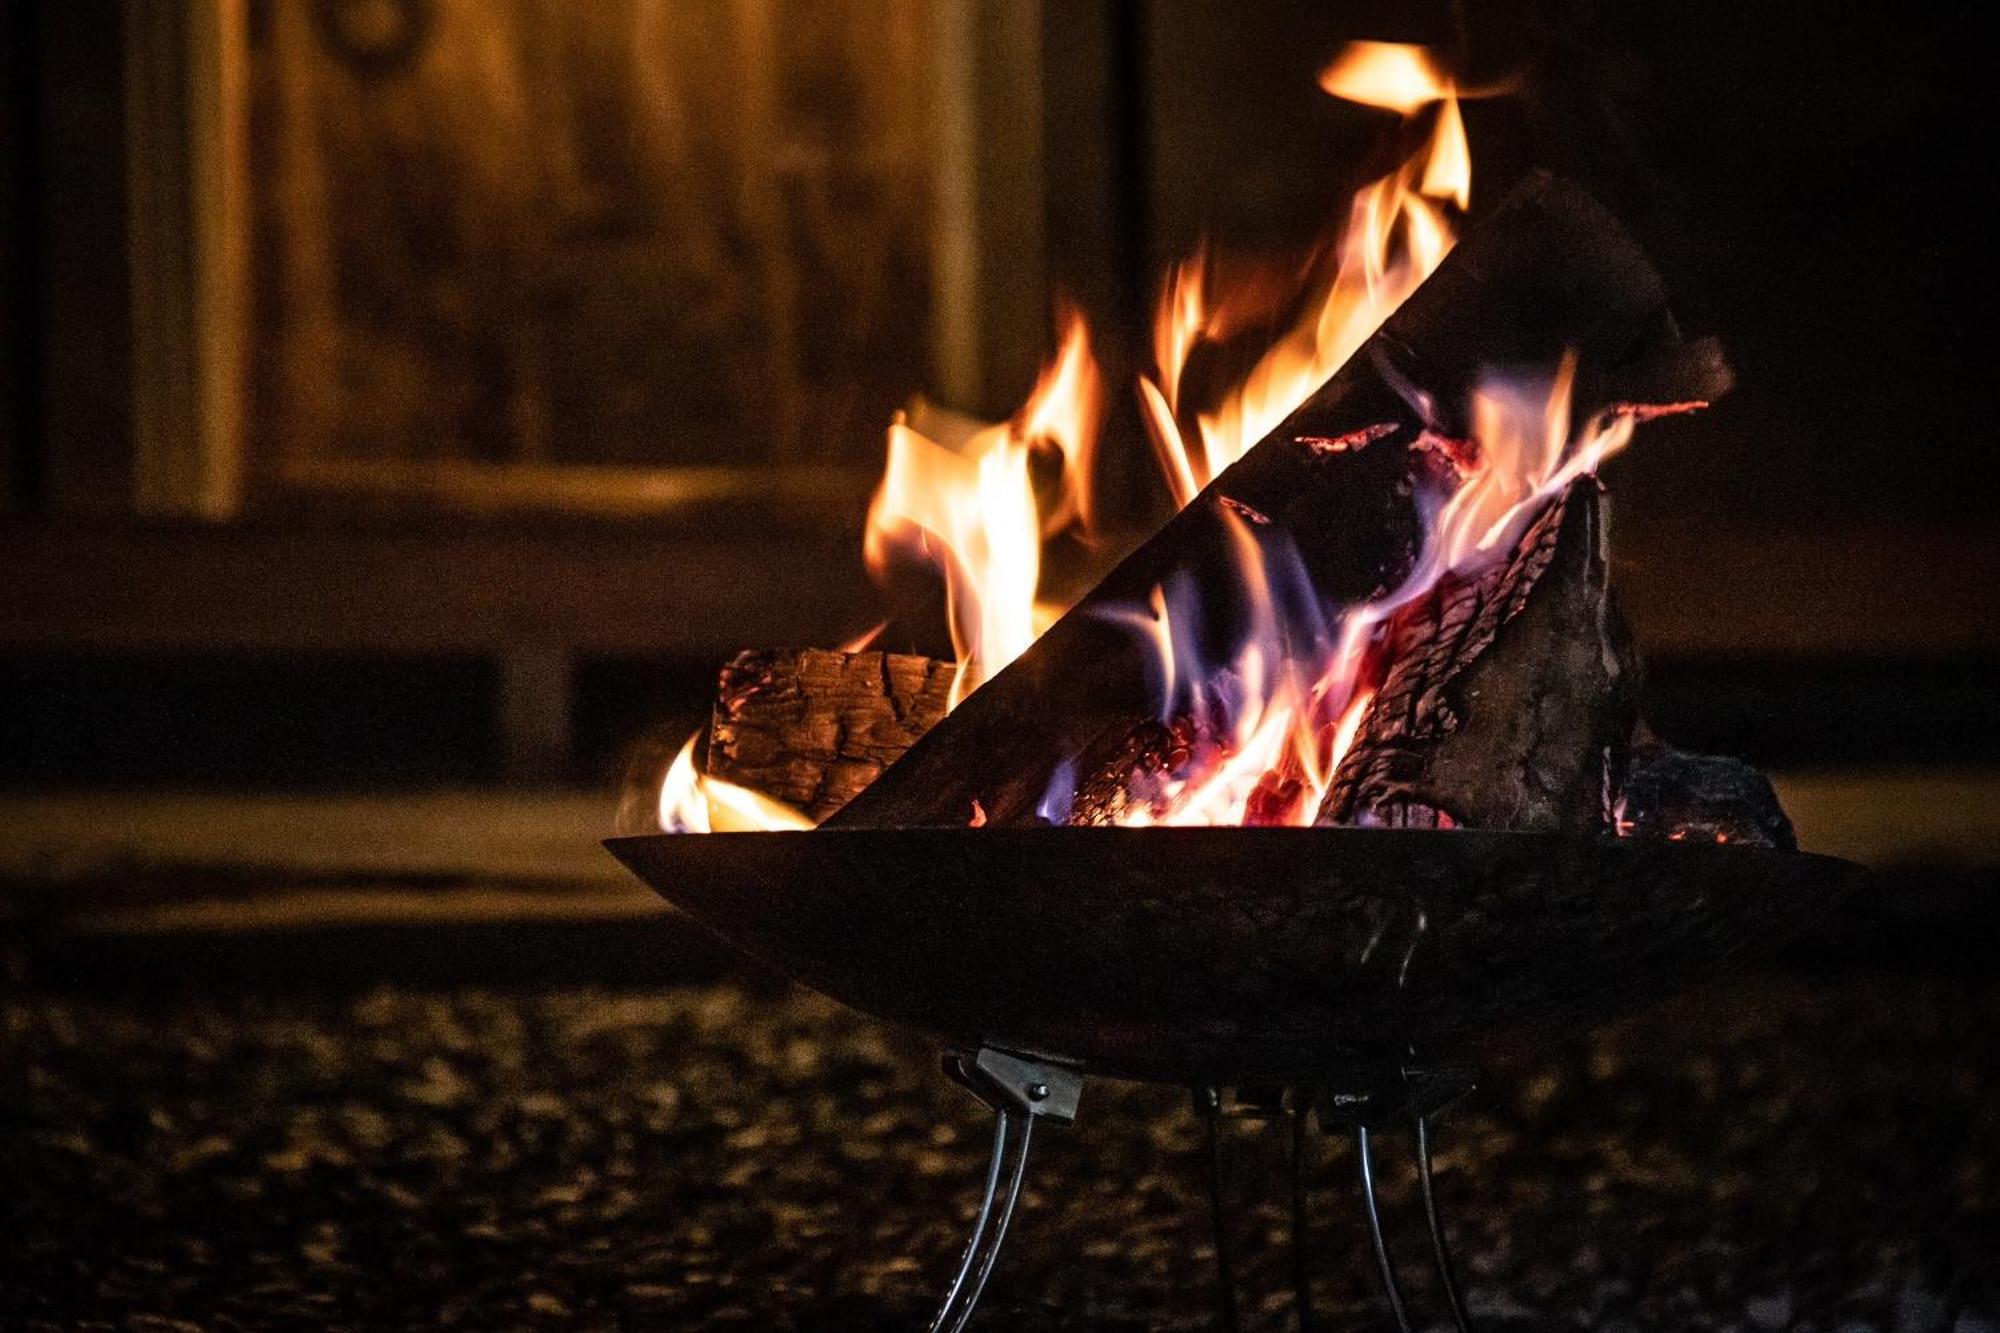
x=1208 y=1105
x=1011 y=1136
x=1382 y=1264
x=1020 y=1091
x=1299 y=1109
x=1439 y=1249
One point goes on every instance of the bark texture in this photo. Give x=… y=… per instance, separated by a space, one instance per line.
x=812 y=727
x=1509 y=696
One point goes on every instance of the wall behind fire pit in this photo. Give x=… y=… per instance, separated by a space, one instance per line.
x=513 y=277
x=615 y=232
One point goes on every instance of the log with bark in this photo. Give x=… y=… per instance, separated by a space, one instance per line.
x=1506 y=700
x=1509 y=695
x=1549 y=272
x=812 y=727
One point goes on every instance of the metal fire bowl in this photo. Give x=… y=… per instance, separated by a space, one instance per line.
x=1228 y=955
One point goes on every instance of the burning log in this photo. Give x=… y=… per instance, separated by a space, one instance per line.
x=1549 y=272
x=1668 y=793
x=1509 y=697
x=811 y=727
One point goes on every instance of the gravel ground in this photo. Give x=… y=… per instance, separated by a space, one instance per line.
x=1813 y=1154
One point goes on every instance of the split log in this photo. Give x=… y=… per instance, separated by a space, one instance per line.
x=812 y=727
x=1509 y=696
x=1668 y=793
x=1548 y=272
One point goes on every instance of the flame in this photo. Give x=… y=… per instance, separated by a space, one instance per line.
x=1524 y=455
x=1269 y=743
x=1300 y=682
x=974 y=511
x=1297 y=691
x=1286 y=731
x=692 y=802
x=1275 y=720
x=1065 y=410
x=1390 y=75
x=1398 y=231
x=969 y=505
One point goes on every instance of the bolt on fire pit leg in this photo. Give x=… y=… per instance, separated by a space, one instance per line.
x=1439 y=1249
x=1382 y=1264
x=1208 y=1105
x=1020 y=1091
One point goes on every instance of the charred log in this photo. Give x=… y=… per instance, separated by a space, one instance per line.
x=1668 y=793
x=1548 y=272
x=1508 y=697
x=1133 y=771
x=812 y=727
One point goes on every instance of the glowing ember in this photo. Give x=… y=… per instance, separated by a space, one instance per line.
x=1348 y=443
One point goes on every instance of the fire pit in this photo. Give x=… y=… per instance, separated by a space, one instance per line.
x=1362 y=971
x=1235 y=956
x=1330 y=784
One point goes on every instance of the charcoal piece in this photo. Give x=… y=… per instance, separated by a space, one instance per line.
x=1669 y=793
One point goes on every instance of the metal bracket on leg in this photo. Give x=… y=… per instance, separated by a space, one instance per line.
x=1020 y=1091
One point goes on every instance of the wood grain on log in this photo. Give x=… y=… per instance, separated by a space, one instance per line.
x=811 y=727
x=1508 y=697
x=1548 y=272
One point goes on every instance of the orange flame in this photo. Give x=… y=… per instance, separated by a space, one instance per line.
x=1526 y=456
x=1287 y=707
x=1287 y=731
x=968 y=504
x=974 y=512
x=1398 y=231
x=693 y=802
x=1273 y=736
x=1390 y=75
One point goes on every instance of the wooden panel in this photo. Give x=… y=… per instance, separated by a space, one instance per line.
x=479 y=588
x=184 y=122
x=620 y=589
x=630 y=231
x=1882 y=590
x=85 y=353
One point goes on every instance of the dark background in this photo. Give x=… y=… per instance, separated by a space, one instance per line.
x=1818 y=549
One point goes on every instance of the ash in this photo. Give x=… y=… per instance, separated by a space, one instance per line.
x=1788 y=1152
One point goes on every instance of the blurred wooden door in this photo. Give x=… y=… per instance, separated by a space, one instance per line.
x=536 y=232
